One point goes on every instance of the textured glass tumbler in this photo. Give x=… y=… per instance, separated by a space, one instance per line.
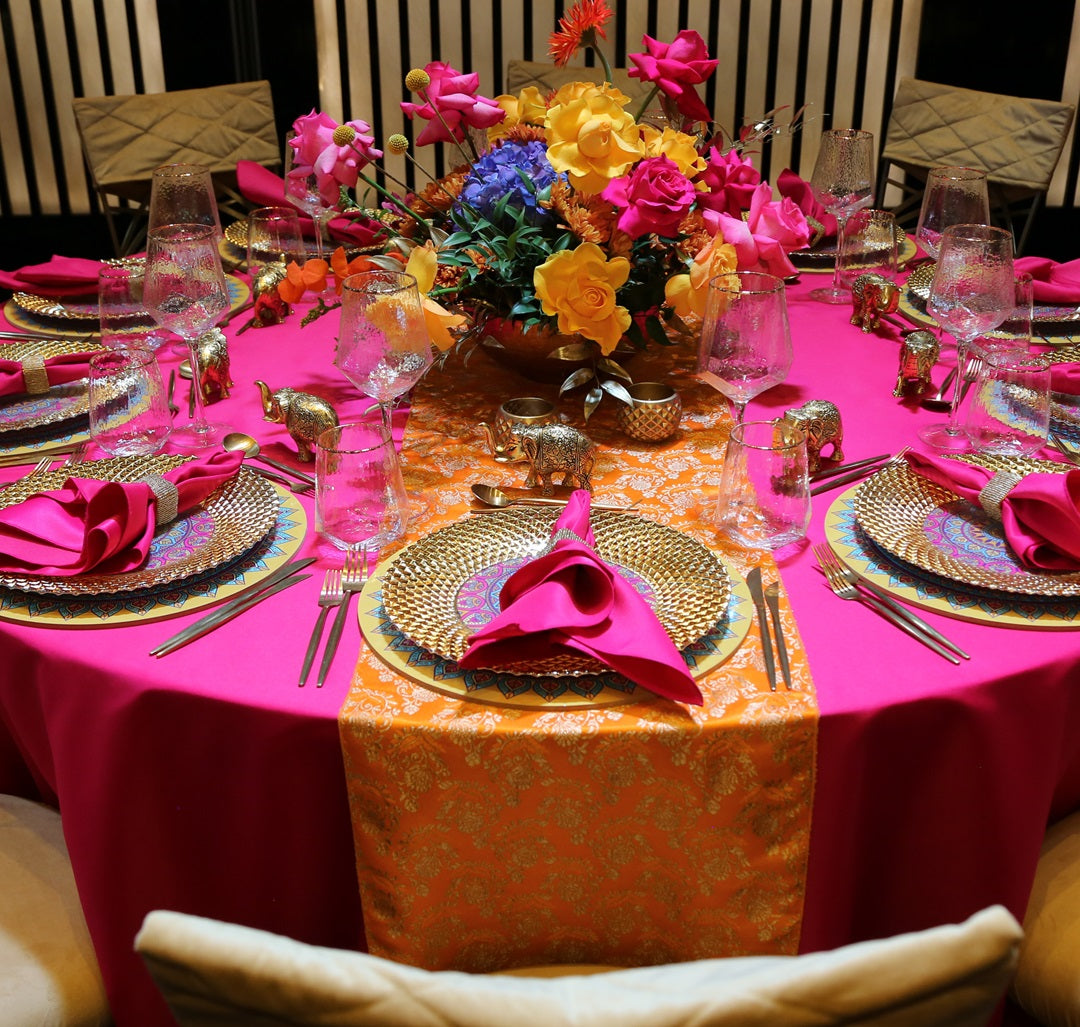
x=764 y=500
x=1009 y=409
x=129 y=411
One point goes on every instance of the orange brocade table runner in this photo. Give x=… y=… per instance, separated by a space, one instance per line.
x=491 y=837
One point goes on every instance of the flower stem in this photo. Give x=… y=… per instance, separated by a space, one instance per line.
x=603 y=63
x=387 y=195
x=422 y=93
x=645 y=103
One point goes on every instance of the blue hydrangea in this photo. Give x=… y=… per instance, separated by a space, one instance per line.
x=496 y=173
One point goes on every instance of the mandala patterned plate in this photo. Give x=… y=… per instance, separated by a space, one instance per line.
x=912 y=585
x=932 y=529
x=531 y=691
x=442 y=588
x=229 y=523
x=60 y=403
x=822 y=258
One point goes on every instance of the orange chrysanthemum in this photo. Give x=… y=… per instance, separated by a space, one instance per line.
x=579 y=27
x=588 y=216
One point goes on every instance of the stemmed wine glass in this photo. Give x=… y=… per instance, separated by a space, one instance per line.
x=185 y=293
x=952 y=196
x=745 y=337
x=973 y=291
x=302 y=190
x=842 y=183
x=182 y=194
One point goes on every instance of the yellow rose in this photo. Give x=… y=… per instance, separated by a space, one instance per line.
x=687 y=293
x=578 y=90
x=422 y=266
x=579 y=286
x=676 y=146
x=528 y=107
x=592 y=138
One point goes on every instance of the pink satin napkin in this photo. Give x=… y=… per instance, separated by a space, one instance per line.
x=1051 y=282
x=1065 y=378
x=104 y=526
x=261 y=186
x=1040 y=512
x=58 y=276
x=59 y=370
x=791 y=186
x=569 y=601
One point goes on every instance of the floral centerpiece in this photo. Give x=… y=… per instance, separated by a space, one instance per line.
x=574 y=216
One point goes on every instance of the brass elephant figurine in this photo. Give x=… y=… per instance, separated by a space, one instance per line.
x=872 y=295
x=918 y=355
x=549 y=449
x=821 y=421
x=212 y=352
x=304 y=415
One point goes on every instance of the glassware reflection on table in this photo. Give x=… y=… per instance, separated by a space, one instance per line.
x=973 y=291
x=185 y=292
x=302 y=189
x=842 y=182
x=869 y=245
x=182 y=194
x=745 y=336
x=360 y=498
x=952 y=196
x=122 y=314
x=128 y=406
x=274 y=236
x=764 y=499
x=1009 y=411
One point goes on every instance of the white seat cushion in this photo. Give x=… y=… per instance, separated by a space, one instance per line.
x=49 y=975
x=217 y=974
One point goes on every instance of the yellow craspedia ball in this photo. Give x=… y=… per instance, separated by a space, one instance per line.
x=397 y=144
x=417 y=79
x=343 y=135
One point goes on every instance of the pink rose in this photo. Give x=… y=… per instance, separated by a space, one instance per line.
x=773 y=229
x=313 y=133
x=677 y=67
x=731 y=180
x=452 y=95
x=791 y=185
x=340 y=166
x=653 y=197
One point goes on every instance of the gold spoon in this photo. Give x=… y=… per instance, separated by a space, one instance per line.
x=238 y=442
x=491 y=495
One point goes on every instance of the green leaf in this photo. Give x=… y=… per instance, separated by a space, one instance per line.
x=656 y=331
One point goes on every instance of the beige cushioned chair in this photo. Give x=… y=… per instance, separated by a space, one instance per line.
x=213 y=973
x=1047 y=981
x=1017 y=141
x=125 y=137
x=49 y=975
x=549 y=77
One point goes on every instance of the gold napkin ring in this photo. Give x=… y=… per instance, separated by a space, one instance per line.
x=995 y=490
x=168 y=498
x=35 y=377
x=559 y=536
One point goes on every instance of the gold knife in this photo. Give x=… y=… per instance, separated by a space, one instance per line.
x=753 y=579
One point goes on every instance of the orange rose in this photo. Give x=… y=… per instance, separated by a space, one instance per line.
x=687 y=293
x=422 y=265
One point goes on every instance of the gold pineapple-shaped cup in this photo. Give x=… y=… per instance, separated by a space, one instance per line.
x=654 y=414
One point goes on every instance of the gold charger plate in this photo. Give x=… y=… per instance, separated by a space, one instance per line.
x=60 y=403
x=932 y=529
x=233 y=520
x=822 y=258
x=171 y=600
x=529 y=690
x=915 y=587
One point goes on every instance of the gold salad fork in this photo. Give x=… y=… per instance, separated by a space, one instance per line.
x=862 y=472
x=845 y=590
x=330 y=595
x=354 y=576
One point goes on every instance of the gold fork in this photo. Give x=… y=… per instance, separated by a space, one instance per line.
x=353 y=577
x=330 y=595
x=862 y=472
x=845 y=590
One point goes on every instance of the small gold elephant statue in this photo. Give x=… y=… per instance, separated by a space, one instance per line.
x=269 y=307
x=304 y=415
x=821 y=421
x=918 y=355
x=549 y=449
x=212 y=353
x=872 y=295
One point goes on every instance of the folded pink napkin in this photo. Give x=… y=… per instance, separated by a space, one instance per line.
x=1051 y=282
x=260 y=185
x=569 y=600
x=1065 y=378
x=790 y=185
x=68 y=367
x=1040 y=512
x=58 y=276
x=103 y=526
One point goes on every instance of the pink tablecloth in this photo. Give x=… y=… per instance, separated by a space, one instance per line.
x=208 y=782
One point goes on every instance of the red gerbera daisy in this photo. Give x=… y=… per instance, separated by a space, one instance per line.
x=579 y=27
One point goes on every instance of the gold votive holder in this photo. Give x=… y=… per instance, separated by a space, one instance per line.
x=655 y=413
x=523 y=410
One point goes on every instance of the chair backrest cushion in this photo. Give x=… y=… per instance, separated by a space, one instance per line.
x=550 y=77
x=125 y=137
x=1016 y=141
x=215 y=974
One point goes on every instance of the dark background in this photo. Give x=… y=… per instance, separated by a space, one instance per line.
x=961 y=43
